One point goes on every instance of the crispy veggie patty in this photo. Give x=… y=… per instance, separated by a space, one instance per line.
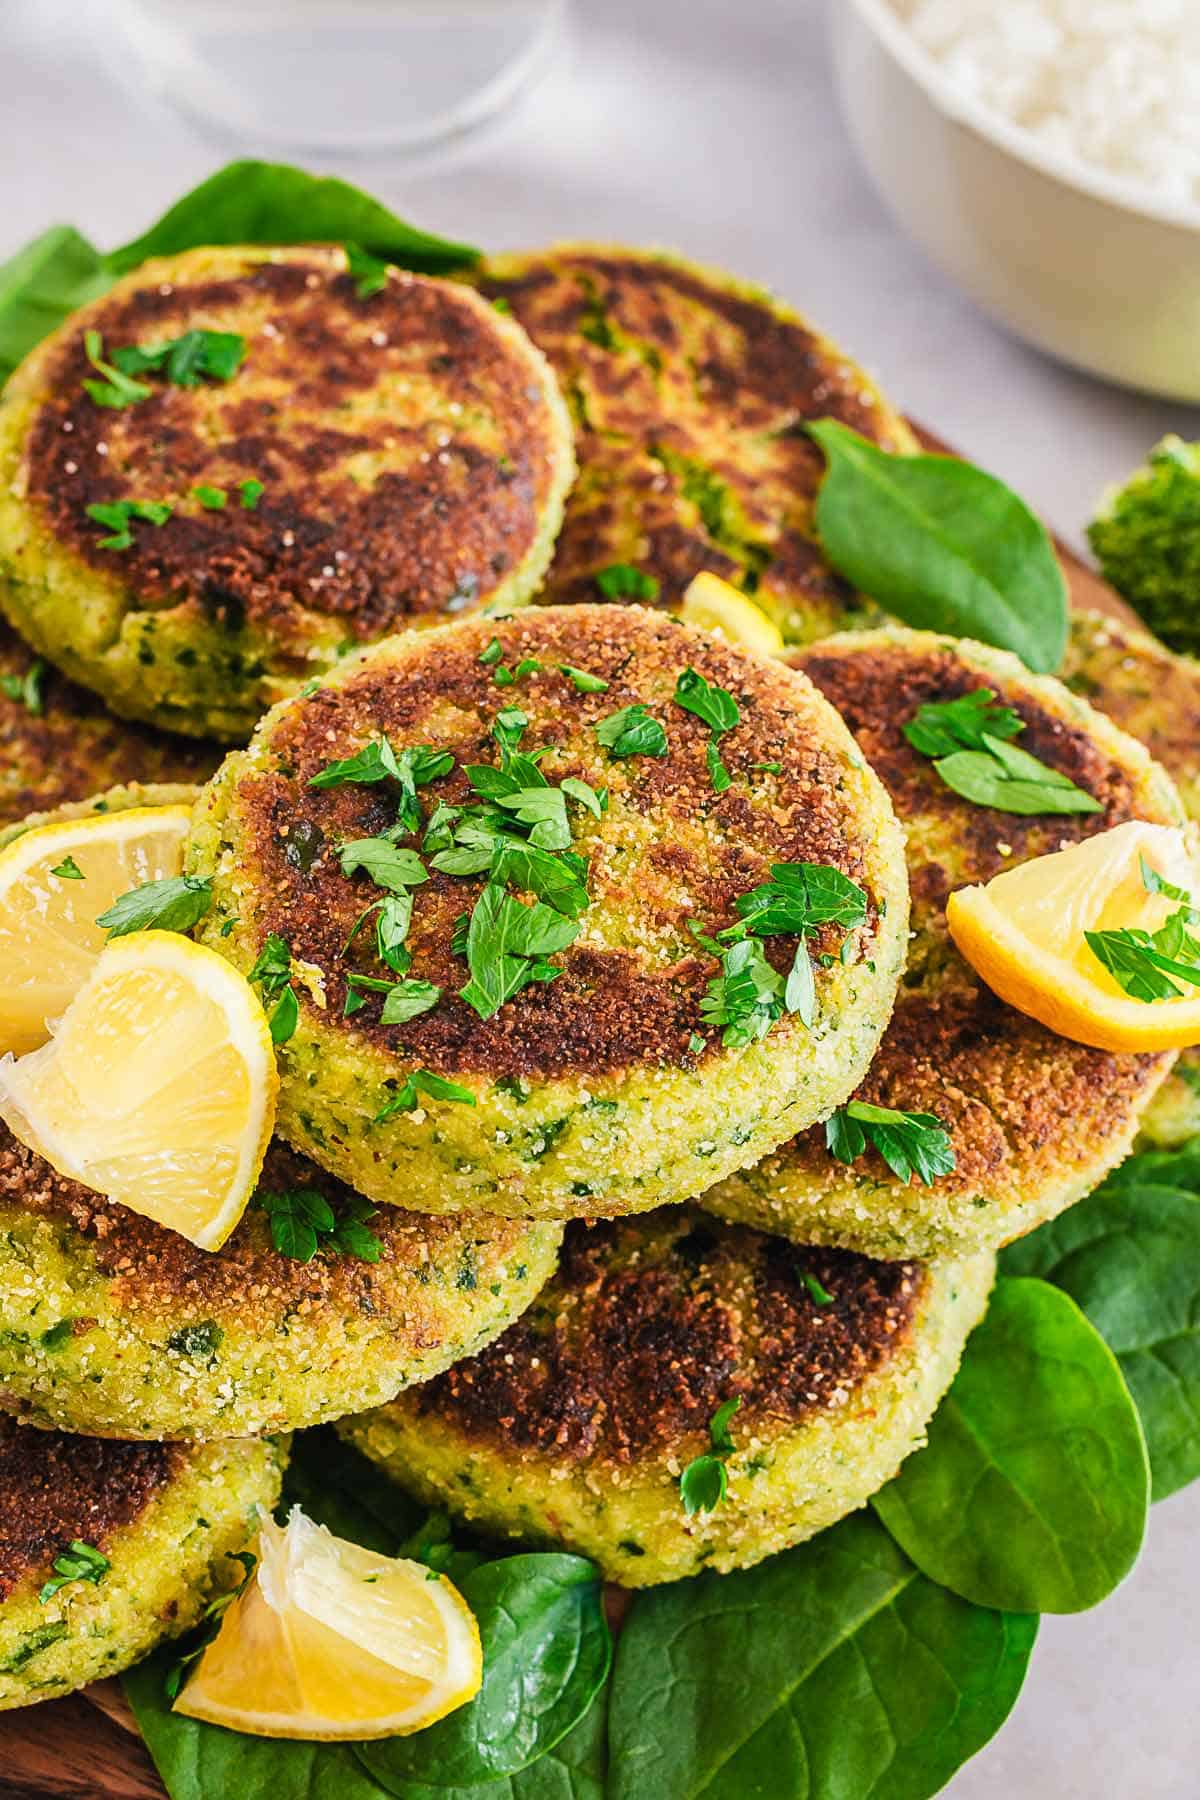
x=112 y=1324
x=57 y=743
x=407 y=455
x=689 y=392
x=166 y=1522
x=574 y=1427
x=1035 y=1120
x=1155 y=696
x=603 y=1085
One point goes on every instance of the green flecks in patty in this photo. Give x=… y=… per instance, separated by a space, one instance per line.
x=32 y=1644
x=719 y=513
x=201 y=1341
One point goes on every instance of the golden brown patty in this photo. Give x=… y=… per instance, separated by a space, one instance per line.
x=575 y=1425
x=602 y=1089
x=55 y=1488
x=1155 y=696
x=59 y=744
x=1035 y=1119
x=689 y=393
x=412 y=451
x=114 y=1325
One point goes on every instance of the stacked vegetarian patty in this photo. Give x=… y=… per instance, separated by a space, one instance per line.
x=593 y=921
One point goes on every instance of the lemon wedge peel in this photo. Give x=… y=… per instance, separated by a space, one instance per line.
x=157 y=1087
x=1023 y=933
x=49 y=938
x=715 y=605
x=331 y=1641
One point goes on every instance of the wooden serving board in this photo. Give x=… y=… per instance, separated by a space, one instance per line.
x=88 y=1747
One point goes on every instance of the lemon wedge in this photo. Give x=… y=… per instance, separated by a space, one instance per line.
x=54 y=882
x=713 y=605
x=157 y=1088
x=1024 y=933
x=329 y=1640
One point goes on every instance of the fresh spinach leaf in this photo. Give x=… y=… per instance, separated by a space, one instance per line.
x=546 y=1655
x=41 y=286
x=1129 y=1256
x=942 y=545
x=1032 y=1491
x=251 y=202
x=832 y=1672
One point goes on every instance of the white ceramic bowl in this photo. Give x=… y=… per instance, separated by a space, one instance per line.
x=1077 y=262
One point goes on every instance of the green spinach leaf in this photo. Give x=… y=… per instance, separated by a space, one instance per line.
x=1129 y=1256
x=832 y=1672
x=41 y=285
x=250 y=202
x=1031 y=1493
x=546 y=1655
x=942 y=545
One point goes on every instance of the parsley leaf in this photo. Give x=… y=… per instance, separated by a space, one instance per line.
x=370 y=272
x=212 y=499
x=251 y=492
x=302 y=1222
x=27 y=688
x=175 y=903
x=621 y=581
x=798 y=898
x=272 y=971
x=423 y=1082
x=1144 y=962
x=746 y=998
x=909 y=1143
x=389 y=865
x=68 y=870
x=117 y=389
x=819 y=1294
x=119 y=515
x=184 y=360
x=507 y=943
x=967 y=737
x=582 y=680
x=632 y=732
x=404 y=1000
x=719 y=711
x=704 y=1483
x=78 y=1562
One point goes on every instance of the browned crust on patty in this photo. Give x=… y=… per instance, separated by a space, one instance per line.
x=1021 y=1104
x=55 y=1489
x=651 y=1325
x=154 y=1272
x=681 y=380
x=612 y=1006
x=460 y=472
x=1145 y=689
x=74 y=747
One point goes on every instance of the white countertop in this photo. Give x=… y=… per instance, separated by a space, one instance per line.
x=710 y=126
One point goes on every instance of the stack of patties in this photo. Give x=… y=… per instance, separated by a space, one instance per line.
x=590 y=922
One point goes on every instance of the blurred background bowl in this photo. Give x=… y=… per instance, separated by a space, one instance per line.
x=1079 y=263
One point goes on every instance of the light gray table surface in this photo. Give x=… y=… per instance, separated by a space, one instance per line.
x=711 y=126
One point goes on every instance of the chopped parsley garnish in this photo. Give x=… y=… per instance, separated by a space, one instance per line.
x=212 y=499
x=403 y=1000
x=422 y=1082
x=909 y=1143
x=118 y=516
x=798 y=898
x=769 y=768
x=175 y=903
x=370 y=272
x=1149 y=965
x=272 y=971
x=389 y=865
x=583 y=681
x=621 y=581
x=210 y=1624
x=27 y=689
x=705 y=1482
x=78 y=1562
x=302 y=1222
x=411 y=768
x=68 y=870
x=747 y=996
x=632 y=732
x=118 y=388
x=507 y=946
x=185 y=360
x=718 y=709
x=250 y=493
x=968 y=740
x=819 y=1294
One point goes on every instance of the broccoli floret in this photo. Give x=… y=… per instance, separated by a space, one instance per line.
x=1147 y=540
